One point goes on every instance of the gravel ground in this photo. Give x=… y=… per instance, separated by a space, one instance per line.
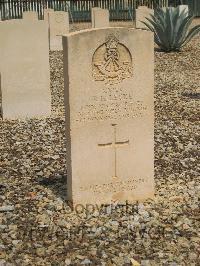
x=38 y=228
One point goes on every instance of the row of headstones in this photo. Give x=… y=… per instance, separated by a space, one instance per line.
x=109 y=105
x=57 y=22
x=109 y=82
x=24 y=61
x=100 y=17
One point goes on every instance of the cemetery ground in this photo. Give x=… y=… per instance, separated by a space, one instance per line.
x=38 y=227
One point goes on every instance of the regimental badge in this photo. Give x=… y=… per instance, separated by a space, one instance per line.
x=112 y=62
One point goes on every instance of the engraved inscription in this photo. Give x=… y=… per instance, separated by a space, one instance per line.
x=113 y=110
x=115 y=103
x=112 y=62
x=119 y=185
x=115 y=144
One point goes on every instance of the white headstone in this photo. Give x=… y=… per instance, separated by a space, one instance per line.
x=58 y=26
x=30 y=15
x=24 y=68
x=46 y=12
x=109 y=83
x=100 y=17
x=143 y=12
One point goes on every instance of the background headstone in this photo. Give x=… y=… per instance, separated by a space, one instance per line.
x=24 y=68
x=46 y=19
x=93 y=9
x=30 y=15
x=100 y=17
x=109 y=81
x=143 y=12
x=46 y=12
x=58 y=26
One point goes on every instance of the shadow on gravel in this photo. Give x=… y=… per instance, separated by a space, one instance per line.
x=2 y=188
x=57 y=184
x=191 y=95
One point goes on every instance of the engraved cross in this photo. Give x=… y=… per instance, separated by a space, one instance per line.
x=115 y=144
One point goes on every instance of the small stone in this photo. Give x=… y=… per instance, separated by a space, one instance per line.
x=59 y=207
x=127 y=260
x=144 y=214
x=114 y=223
x=15 y=242
x=2 y=255
x=2 y=247
x=40 y=251
x=134 y=262
x=176 y=198
x=66 y=242
x=55 y=157
x=86 y=261
x=186 y=226
x=62 y=223
x=80 y=257
x=13 y=236
x=160 y=254
x=3 y=226
x=7 y=208
x=193 y=256
x=43 y=225
x=2 y=262
x=93 y=252
x=67 y=261
x=104 y=255
x=13 y=227
x=145 y=263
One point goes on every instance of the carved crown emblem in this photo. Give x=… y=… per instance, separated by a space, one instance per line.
x=111 y=42
x=112 y=62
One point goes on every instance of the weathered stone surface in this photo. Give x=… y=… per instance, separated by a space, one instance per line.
x=46 y=13
x=100 y=17
x=30 y=15
x=92 y=15
x=142 y=12
x=109 y=114
x=24 y=68
x=58 y=26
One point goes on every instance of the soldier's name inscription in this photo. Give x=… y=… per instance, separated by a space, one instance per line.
x=111 y=104
x=112 y=62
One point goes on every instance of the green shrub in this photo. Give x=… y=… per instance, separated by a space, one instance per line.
x=171 y=28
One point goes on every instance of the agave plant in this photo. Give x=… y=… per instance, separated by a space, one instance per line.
x=171 y=28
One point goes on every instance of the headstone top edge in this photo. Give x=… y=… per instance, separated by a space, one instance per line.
x=105 y=28
x=19 y=21
x=58 y=12
x=143 y=6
